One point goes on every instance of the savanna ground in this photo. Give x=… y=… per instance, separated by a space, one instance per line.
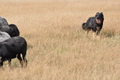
x=58 y=48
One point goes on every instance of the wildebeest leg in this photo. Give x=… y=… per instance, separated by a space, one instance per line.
x=94 y=35
x=20 y=59
x=87 y=31
x=1 y=65
x=23 y=56
x=9 y=62
x=1 y=62
x=24 y=59
x=97 y=34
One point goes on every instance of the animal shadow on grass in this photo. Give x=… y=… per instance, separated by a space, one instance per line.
x=108 y=33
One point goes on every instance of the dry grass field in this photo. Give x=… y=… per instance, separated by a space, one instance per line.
x=58 y=48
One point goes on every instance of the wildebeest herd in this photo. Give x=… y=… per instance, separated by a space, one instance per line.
x=11 y=44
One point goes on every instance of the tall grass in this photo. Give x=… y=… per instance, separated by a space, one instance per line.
x=58 y=48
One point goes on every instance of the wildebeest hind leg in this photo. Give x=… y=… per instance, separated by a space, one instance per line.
x=25 y=61
x=20 y=59
x=24 y=56
x=87 y=31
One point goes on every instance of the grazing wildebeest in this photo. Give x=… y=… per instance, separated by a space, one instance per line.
x=12 y=48
x=11 y=29
x=4 y=36
x=94 y=23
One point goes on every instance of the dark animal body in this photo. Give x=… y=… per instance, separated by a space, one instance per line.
x=11 y=29
x=94 y=23
x=12 y=48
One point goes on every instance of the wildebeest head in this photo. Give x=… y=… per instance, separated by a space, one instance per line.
x=99 y=18
x=11 y=29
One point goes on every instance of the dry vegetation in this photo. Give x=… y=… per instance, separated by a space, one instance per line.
x=58 y=48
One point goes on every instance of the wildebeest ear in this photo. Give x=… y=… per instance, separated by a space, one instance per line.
x=102 y=15
x=96 y=14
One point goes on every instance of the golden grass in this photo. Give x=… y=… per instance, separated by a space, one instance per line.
x=58 y=48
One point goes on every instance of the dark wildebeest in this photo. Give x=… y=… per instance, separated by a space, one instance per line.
x=4 y=36
x=94 y=23
x=11 y=29
x=12 y=48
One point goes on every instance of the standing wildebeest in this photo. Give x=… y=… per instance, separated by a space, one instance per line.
x=12 y=48
x=11 y=29
x=4 y=36
x=94 y=23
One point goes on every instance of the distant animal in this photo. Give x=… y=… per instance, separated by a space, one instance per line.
x=94 y=23
x=4 y=36
x=12 y=48
x=11 y=29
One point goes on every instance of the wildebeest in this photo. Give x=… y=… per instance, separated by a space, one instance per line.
x=12 y=48
x=11 y=29
x=94 y=23
x=4 y=36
